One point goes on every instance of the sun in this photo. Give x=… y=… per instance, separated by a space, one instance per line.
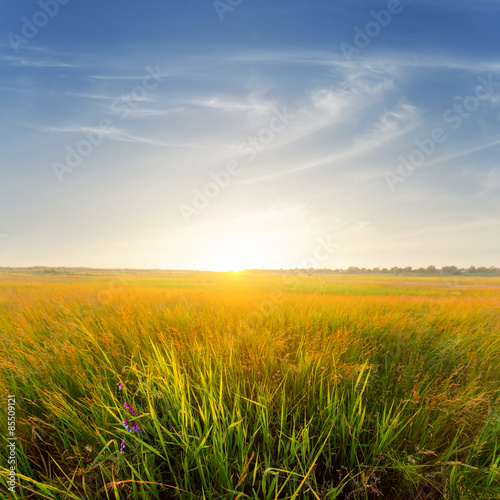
x=237 y=256
x=237 y=261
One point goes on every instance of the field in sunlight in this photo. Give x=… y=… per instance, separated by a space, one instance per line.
x=251 y=385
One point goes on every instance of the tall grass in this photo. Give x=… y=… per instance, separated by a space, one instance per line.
x=335 y=391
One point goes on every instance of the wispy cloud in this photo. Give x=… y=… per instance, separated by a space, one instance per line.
x=251 y=103
x=90 y=96
x=115 y=77
x=382 y=61
x=459 y=154
x=120 y=135
x=15 y=89
x=148 y=112
x=351 y=94
x=112 y=97
x=36 y=63
x=124 y=136
x=390 y=126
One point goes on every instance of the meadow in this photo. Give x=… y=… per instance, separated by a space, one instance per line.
x=251 y=386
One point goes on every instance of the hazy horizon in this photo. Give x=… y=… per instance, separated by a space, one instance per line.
x=375 y=270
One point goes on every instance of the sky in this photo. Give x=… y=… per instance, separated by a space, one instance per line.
x=232 y=134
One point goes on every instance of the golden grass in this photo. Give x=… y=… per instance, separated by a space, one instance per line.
x=254 y=386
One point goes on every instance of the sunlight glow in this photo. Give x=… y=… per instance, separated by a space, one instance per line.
x=242 y=252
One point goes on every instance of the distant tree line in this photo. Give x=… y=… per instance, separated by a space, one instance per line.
x=430 y=270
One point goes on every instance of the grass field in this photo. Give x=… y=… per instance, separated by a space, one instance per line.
x=242 y=385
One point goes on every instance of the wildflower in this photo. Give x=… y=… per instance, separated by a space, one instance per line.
x=122 y=446
x=120 y=386
x=126 y=424
x=131 y=409
x=136 y=428
x=137 y=393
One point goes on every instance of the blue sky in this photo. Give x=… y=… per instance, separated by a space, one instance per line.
x=235 y=134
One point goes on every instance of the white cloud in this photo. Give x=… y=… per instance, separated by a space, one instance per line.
x=251 y=103
x=89 y=96
x=351 y=94
x=116 y=77
x=391 y=124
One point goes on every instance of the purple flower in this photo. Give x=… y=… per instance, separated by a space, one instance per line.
x=122 y=446
x=137 y=393
x=134 y=427
x=120 y=386
x=131 y=409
